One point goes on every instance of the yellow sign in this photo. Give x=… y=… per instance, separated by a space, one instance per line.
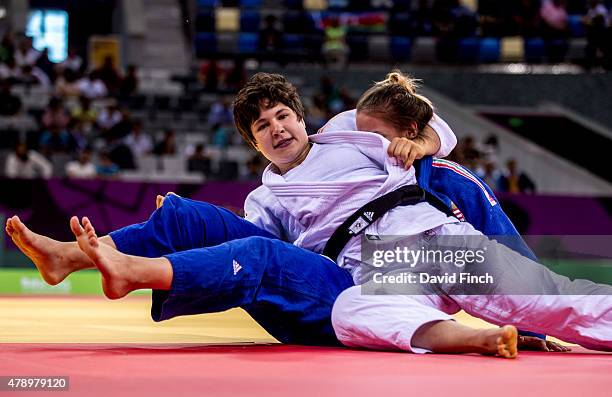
x=101 y=47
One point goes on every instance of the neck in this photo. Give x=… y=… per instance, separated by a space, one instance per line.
x=284 y=168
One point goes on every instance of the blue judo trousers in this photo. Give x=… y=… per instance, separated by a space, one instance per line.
x=221 y=261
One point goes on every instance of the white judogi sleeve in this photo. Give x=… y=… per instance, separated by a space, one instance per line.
x=448 y=140
x=345 y=121
x=261 y=208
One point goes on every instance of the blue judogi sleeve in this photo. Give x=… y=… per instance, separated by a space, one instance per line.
x=453 y=183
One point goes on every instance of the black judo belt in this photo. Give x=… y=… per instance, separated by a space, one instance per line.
x=372 y=211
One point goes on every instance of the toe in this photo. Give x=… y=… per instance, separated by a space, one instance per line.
x=75 y=226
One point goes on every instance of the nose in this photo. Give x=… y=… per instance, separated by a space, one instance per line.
x=276 y=127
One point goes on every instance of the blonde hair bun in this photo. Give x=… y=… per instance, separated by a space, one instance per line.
x=398 y=78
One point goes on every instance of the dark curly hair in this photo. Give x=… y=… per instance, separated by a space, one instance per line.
x=263 y=91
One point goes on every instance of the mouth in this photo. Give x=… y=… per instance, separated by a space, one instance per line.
x=283 y=143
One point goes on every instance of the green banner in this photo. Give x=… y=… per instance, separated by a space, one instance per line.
x=29 y=282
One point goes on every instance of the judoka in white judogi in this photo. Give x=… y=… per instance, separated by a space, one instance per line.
x=345 y=170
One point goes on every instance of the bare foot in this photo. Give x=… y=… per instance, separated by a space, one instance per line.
x=500 y=341
x=113 y=265
x=55 y=260
x=159 y=200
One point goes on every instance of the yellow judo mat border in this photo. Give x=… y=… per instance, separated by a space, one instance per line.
x=54 y=319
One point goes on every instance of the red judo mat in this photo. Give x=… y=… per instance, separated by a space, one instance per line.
x=282 y=370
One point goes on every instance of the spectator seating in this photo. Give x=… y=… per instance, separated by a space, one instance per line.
x=512 y=49
x=228 y=20
x=401 y=48
x=489 y=50
x=534 y=50
x=248 y=43
x=205 y=44
x=576 y=26
x=235 y=21
x=249 y=21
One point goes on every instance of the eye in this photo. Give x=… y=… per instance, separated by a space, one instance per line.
x=262 y=126
x=283 y=116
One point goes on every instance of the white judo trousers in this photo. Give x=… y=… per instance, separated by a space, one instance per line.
x=389 y=321
x=345 y=170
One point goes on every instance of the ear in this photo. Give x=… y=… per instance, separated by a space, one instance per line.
x=412 y=131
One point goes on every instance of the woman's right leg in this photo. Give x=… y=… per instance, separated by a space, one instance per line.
x=180 y=224
x=415 y=323
x=288 y=290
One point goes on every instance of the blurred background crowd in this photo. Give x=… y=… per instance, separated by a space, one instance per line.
x=112 y=118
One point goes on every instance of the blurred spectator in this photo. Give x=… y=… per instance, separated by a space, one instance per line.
x=10 y=104
x=527 y=17
x=495 y=17
x=45 y=65
x=32 y=75
x=109 y=117
x=422 y=18
x=335 y=50
x=92 y=86
x=237 y=76
x=73 y=61
x=209 y=75
x=467 y=153
x=221 y=136
x=7 y=47
x=85 y=114
x=129 y=85
x=555 y=29
x=452 y=21
x=317 y=114
x=515 y=181
x=10 y=71
x=109 y=74
x=56 y=140
x=490 y=149
x=139 y=142
x=270 y=37
x=120 y=154
x=25 y=163
x=489 y=174
x=330 y=95
x=167 y=146
x=220 y=112
x=348 y=102
x=26 y=55
x=121 y=129
x=67 y=84
x=83 y=167
x=55 y=115
x=596 y=21
x=465 y=21
x=78 y=134
x=106 y=167
x=199 y=161
x=256 y=166
x=554 y=16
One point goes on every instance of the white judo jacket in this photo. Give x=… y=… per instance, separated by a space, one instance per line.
x=343 y=171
